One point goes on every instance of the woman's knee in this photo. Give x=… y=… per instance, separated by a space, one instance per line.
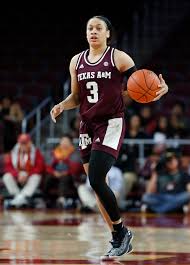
x=94 y=181
x=99 y=165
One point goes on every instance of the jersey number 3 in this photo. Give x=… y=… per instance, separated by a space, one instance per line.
x=93 y=86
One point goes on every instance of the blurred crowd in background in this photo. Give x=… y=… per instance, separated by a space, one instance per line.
x=34 y=66
x=161 y=184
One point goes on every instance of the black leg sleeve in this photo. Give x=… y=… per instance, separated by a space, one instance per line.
x=99 y=165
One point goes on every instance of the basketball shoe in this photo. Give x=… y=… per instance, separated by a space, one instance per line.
x=121 y=243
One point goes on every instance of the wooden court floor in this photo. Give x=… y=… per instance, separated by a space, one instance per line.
x=40 y=237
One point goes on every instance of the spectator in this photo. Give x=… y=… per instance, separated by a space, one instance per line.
x=162 y=126
x=128 y=157
x=179 y=110
x=23 y=171
x=16 y=116
x=152 y=160
x=169 y=188
x=16 y=113
x=65 y=171
x=179 y=121
x=148 y=122
x=185 y=163
x=5 y=107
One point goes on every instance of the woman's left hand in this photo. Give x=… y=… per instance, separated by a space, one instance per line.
x=163 y=88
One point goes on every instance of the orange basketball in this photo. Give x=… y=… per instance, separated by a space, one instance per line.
x=142 y=85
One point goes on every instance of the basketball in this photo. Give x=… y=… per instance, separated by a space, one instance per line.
x=142 y=85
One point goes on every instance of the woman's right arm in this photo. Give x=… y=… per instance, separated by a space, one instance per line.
x=72 y=101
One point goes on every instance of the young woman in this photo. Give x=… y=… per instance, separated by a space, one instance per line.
x=96 y=87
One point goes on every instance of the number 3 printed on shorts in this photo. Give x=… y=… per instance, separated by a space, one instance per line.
x=93 y=86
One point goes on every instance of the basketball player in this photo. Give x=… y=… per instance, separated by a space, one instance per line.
x=96 y=87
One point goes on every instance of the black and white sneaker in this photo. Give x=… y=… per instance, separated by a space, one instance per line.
x=121 y=243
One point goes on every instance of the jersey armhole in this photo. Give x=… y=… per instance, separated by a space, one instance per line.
x=112 y=57
x=78 y=60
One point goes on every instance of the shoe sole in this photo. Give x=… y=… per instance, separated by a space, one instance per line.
x=115 y=258
x=130 y=249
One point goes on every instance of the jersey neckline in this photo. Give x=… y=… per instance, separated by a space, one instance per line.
x=99 y=60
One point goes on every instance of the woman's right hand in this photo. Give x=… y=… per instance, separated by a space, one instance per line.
x=56 y=110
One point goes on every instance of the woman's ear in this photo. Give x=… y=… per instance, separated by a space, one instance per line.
x=108 y=34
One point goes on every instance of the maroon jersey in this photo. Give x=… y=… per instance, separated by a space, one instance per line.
x=100 y=86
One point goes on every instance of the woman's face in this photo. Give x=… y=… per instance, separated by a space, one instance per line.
x=65 y=143
x=97 y=32
x=146 y=112
x=25 y=147
x=135 y=121
x=172 y=164
x=163 y=122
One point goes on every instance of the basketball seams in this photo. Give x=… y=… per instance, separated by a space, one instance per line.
x=146 y=80
x=145 y=91
x=153 y=83
x=135 y=91
x=155 y=77
x=138 y=84
x=144 y=85
x=144 y=95
x=149 y=88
